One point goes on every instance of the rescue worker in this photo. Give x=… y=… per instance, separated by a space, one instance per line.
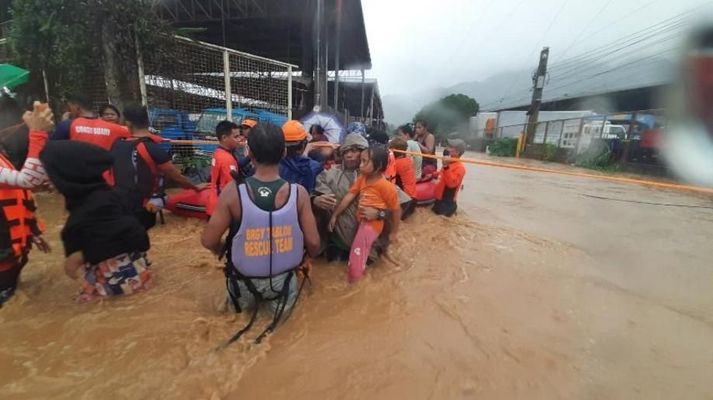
x=140 y=165
x=31 y=174
x=224 y=163
x=19 y=227
x=295 y=167
x=450 y=179
x=84 y=126
x=271 y=226
x=245 y=167
x=404 y=175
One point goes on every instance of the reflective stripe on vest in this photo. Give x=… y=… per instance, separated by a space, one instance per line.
x=267 y=243
x=17 y=219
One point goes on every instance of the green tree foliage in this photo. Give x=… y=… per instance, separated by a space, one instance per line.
x=84 y=43
x=448 y=114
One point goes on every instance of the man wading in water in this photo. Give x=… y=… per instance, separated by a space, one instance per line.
x=271 y=226
x=332 y=186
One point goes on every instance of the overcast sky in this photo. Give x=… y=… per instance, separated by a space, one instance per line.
x=421 y=44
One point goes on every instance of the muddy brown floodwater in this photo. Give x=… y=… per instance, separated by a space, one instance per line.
x=536 y=289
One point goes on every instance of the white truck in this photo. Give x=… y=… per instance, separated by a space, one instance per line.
x=597 y=130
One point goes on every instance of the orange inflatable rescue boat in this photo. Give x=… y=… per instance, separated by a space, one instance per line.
x=425 y=192
x=192 y=204
x=189 y=203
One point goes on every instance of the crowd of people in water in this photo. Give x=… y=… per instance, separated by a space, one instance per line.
x=283 y=195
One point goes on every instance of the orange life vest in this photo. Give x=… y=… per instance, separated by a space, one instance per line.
x=17 y=221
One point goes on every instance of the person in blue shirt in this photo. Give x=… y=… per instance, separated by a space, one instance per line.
x=295 y=167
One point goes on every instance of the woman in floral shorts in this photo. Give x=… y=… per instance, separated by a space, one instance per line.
x=103 y=241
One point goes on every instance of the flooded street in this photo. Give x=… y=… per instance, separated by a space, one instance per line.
x=543 y=286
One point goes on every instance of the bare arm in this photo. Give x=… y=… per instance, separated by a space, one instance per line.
x=32 y=175
x=346 y=201
x=220 y=220
x=173 y=174
x=308 y=222
x=430 y=144
x=73 y=263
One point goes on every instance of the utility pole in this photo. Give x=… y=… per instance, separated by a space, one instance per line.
x=318 y=78
x=538 y=82
x=338 y=46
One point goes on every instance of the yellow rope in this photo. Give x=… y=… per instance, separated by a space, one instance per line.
x=663 y=185
x=618 y=179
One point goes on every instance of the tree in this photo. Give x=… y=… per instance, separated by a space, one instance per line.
x=448 y=114
x=84 y=44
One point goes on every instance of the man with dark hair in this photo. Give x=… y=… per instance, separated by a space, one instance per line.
x=224 y=163
x=272 y=226
x=246 y=125
x=427 y=141
x=296 y=167
x=245 y=167
x=140 y=166
x=84 y=125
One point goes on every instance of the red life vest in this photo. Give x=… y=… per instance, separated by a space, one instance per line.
x=97 y=132
x=17 y=222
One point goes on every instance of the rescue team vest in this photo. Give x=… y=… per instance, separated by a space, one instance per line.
x=135 y=173
x=16 y=220
x=96 y=131
x=267 y=243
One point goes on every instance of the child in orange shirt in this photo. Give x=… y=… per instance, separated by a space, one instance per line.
x=373 y=191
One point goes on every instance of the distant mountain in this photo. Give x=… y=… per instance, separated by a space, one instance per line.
x=400 y=108
x=512 y=88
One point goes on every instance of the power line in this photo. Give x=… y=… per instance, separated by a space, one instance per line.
x=572 y=67
x=618 y=67
x=681 y=17
x=552 y=22
x=595 y=18
x=610 y=49
x=625 y=16
x=561 y=75
x=523 y=99
x=583 y=92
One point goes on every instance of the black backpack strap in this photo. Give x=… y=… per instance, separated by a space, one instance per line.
x=281 y=305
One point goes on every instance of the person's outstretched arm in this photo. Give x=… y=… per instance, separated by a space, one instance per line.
x=173 y=174
x=220 y=220
x=32 y=174
x=307 y=222
x=346 y=201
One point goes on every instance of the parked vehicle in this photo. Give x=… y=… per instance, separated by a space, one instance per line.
x=175 y=125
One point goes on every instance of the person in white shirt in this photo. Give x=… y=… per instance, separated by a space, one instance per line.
x=406 y=132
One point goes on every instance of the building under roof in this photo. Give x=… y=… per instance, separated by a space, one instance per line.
x=633 y=86
x=288 y=31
